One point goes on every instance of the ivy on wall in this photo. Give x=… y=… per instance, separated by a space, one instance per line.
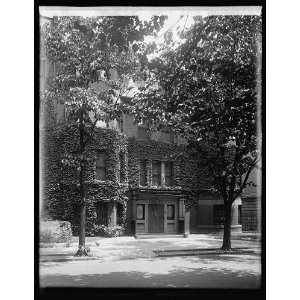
x=61 y=189
x=187 y=173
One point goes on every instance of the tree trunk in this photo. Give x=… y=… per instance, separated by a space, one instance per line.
x=227 y=226
x=82 y=251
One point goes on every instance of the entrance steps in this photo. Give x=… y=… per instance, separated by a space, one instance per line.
x=158 y=236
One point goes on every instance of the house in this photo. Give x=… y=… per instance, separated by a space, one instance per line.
x=139 y=179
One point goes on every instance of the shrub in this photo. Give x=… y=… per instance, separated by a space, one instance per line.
x=55 y=232
x=47 y=236
x=108 y=231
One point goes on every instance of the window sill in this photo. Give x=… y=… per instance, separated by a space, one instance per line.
x=161 y=187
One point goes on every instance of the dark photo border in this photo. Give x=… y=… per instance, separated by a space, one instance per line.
x=95 y=293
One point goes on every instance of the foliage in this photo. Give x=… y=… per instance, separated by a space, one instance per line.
x=86 y=52
x=62 y=191
x=108 y=231
x=208 y=91
x=47 y=237
x=55 y=232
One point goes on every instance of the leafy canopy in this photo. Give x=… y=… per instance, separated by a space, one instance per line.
x=207 y=90
x=85 y=51
x=94 y=58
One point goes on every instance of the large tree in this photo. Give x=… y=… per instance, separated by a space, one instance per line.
x=208 y=90
x=85 y=50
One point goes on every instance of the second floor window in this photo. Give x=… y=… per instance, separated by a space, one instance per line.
x=156 y=173
x=122 y=167
x=121 y=124
x=169 y=173
x=101 y=166
x=143 y=173
x=143 y=133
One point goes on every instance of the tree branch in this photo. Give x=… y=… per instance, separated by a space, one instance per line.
x=90 y=136
x=246 y=179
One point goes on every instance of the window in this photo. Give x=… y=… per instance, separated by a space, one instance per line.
x=166 y=136
x=143 y=133
x=169 y=173
x=156 y=173
x=102 y=213
x=170 y=212
x=121 y=124
x=140 y=212
x=181 y=209
x=143 y=173
x=43 y=67
x=240 y=214
x=100 y=166
x=120 y=210
x=218 y=214
x=122 y=167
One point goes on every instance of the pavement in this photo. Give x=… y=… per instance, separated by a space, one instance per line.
x=129 y=262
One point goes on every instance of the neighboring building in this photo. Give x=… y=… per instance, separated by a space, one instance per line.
x=135 y=178
x=251 y=203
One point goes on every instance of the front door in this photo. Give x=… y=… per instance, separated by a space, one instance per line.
x=155 y=218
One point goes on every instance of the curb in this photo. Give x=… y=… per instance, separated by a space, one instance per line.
x=207 y=251
x=70 y=258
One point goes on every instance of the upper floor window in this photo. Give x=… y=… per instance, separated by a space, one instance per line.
x=169 y=173
x=156 y=173
x=121 y=124
x=143 y=133
x=167 y=136
x=122 y=167
x=101 y=166
x=143 y=173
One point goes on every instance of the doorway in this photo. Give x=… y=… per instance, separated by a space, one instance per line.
x=155 y=218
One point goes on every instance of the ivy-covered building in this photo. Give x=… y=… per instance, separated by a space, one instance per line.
x=145 y=182
x=136 y=179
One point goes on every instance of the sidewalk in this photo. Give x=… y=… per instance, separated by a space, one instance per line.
x=130 y=262
x=127 y=247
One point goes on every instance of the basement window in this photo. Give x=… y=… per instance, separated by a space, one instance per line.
x=218 y=214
